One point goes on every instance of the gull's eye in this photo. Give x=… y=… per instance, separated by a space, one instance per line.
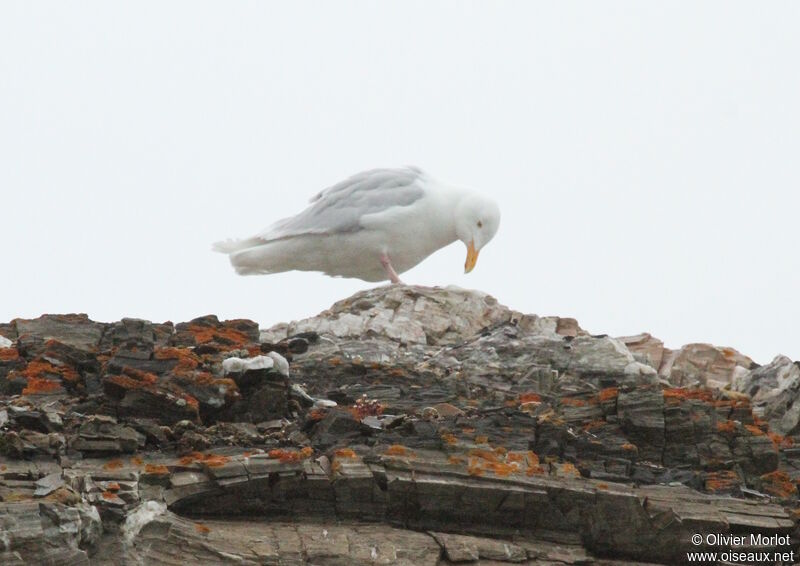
x=480 y=224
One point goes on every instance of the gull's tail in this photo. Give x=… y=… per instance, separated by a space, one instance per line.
x=256 y=256
x=233 y=246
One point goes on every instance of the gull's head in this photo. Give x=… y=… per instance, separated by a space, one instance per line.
x=477 y=220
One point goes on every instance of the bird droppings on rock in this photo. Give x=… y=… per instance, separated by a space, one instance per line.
x=431 y=420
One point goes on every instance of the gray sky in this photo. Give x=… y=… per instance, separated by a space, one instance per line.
x=644 y=154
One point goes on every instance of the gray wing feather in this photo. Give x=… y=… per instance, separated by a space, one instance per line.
x=340 y=208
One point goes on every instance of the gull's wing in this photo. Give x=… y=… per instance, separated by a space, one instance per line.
x=339 y=209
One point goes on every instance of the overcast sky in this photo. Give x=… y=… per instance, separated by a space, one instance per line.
x=645 y=155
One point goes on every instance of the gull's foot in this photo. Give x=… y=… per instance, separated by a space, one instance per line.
x=387 y=266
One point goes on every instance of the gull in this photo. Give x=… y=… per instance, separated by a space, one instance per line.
x=372 y=226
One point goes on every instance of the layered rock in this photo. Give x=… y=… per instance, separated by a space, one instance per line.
x=402 y=426
x=774 y=389
x=693 y=364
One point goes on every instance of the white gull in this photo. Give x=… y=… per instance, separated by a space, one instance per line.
x=371 y=226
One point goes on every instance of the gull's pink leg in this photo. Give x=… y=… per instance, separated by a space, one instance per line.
x=387 y=265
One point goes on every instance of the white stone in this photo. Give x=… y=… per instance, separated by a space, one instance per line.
x=279 y=363
x=142 y=515
x=638 y=368
x=238 y=365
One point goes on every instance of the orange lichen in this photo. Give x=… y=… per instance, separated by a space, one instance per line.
x=601 y=486
x=782 y=441
x=189 y=459
x=191 y=401
x=481 y=439
x=113 y=465
x=449 y=438
x=136 y=461
x=187 y=360
x=467 y=430
x=723 y=480
x=608 y=393
x=40 y=368
x=678 y=395
x=337 y=465
x=222 y=335
x=754 y=430
x=778 y=484
x=628 y=446
x=591 y=425
x=36 y=385
x=731 y=403
x=144 y=376
x=500 y=463
x=398 y=450
x=335 y=361
x=215 y=461
x=726 y=427
x=9 y=354
x=290 y=455
x=516 y=457
x=475 y=470
x=201 y=528
x=203 y=377
x=487 y=455
x=517 y=461
x=132 y=378
x=109 y=495
x=113 y=486
x=283 y=455
x=156 y=469
x=572 y=402
x=534 y=471
x=530 y=398
x=533 y=458
x=210 y=460
x=501 y=450
x=456 y=460
x=503 y=469
x=317 y=414
x=569 y=468
x=345 y=453
x=125 y=382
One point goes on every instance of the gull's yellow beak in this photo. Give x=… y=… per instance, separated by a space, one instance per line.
x=472 y=257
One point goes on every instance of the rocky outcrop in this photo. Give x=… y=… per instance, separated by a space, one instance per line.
x=693 y=364
x=403 y=425
x=774 y=390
